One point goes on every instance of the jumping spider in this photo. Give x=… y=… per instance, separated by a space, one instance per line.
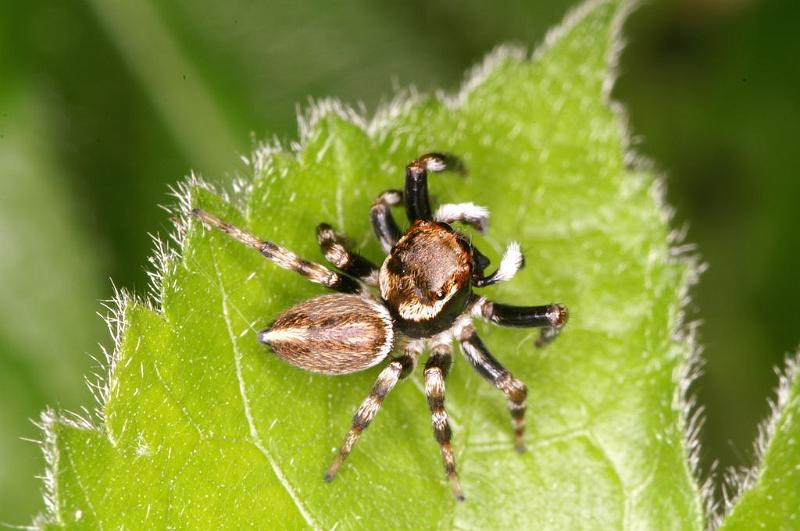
x=425 y=299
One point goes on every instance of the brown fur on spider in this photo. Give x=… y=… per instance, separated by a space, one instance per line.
x=425 y=301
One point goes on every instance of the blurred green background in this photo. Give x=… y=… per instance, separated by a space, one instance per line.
x=104 y=103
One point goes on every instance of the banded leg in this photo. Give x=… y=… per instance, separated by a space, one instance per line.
x=550 y=317
x=383 y=224
x=475 y=216
x=334 y=247
x=416 y=188
x=399 y=368
x=281 y=256
x=436 y=370
x=488 y=367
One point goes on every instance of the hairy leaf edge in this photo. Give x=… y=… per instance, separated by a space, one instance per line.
x=737 y=481
x=167 y=256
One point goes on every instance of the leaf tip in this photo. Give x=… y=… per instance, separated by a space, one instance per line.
x=739 y=480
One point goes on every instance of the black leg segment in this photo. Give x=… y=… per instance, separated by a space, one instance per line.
x=525 y=316
x=416 y=189
x=383 y=224
x=488 y=367
x=551 y=318
x=334 y=247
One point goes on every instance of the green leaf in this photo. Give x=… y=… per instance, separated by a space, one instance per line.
x=769 y=493
x=200 y=426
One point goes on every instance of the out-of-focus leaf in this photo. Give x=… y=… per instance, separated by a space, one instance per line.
x=48 y=295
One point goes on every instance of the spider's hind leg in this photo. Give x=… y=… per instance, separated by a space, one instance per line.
x=334 y=247
x=397 y=369
x=281 y=256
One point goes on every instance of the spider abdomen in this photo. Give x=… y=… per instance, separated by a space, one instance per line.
x=332 y=334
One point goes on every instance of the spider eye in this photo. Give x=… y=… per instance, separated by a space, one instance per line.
x=441 y=294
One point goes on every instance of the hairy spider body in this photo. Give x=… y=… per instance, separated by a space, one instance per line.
x=424 y=300
x=425 y=280
x=332 y=334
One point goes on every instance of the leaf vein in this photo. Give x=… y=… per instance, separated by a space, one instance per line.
x=82 y=486
x=256 y=439
x=178 y=402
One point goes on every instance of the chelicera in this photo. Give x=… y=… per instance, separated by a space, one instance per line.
x=421 y=297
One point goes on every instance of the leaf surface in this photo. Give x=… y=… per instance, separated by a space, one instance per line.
x=202 y=427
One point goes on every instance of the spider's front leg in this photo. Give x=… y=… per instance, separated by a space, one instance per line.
x=436 y=370
x=388 y=233
x=334 y=247
x=488 y=367
x=398 y=369
x=416 y=188
x=383 y=223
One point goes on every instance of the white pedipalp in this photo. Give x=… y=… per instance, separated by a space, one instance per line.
x=511 y=262
x=471 y=214
x=435 y=164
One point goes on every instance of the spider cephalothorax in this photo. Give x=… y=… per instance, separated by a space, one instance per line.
x=424 y=300
x=425 y=280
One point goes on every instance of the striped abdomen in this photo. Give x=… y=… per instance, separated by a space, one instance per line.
x=332 y=334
